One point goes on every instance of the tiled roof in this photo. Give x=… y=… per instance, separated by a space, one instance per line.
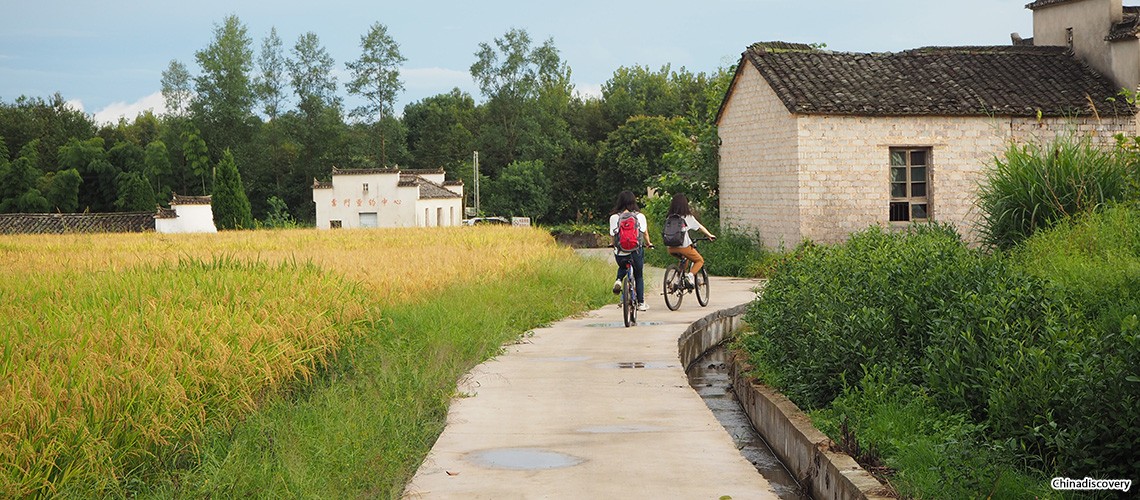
x=321 y=185
x=421 y=171
x=178 y=199
x=166 y=213
x=453 y=182
x=364 y=171
x=124 y=222
x=431 y=190
x=1044 y=3
x=1127 y=28
x=938 y=81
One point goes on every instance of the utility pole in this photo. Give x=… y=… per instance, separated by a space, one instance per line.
x=476 y=164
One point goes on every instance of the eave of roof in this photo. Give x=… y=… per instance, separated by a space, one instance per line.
x=934 y=81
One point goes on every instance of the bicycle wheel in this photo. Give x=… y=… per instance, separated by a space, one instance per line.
x=702 y=287
x=628 y=302
x=673 y=288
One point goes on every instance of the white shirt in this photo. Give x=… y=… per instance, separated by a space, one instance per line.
x=691 y=224
x=641 y=223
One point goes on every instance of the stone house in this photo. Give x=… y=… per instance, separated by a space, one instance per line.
x=819 y=144
x=387 y=198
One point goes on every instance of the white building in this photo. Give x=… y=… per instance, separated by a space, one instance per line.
x=387 y=198
x=187 y=214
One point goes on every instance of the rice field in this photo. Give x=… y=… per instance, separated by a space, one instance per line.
x=119 y=351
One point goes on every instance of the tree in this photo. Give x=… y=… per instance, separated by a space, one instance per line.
x=441 y=131
x=52 y=123
x=512 y=75
x=230 y=204
x=197 y=156
x=634 y=154
x=135 y=193
x=100 y=177
x=176 y=91
x=224 y=99
x=19 y=190
x=311 y=73
x=158 y=170
x=376 y=77
x=522 y=189
x=62 y=190
x=269 y=85
x=376 y=74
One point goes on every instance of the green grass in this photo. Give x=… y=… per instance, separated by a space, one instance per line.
x=362 y=428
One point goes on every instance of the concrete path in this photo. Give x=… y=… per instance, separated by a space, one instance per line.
x=587 y=408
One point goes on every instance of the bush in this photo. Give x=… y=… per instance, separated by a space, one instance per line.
x=734 y=253
x=1036 y=186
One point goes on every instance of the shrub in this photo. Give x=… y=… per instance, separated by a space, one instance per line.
x=1036 y=186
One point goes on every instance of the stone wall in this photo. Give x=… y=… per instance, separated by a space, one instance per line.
x=828 y=176
x=759 y=171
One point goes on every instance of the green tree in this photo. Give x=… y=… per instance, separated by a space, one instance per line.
x=224 y=100
x=176 y=90
x=522 y=189
x=19 y=182
x=269 y=85
x=230 y=204
x=62 y=190
x=634 y=154
x=197 y=156
x=638 y=91
x=311 y=73
x=100 y=177
x=158 y=170
x=51 y=123
x=513 y=75
x=441 y=131
x=135 y=193
x=376 y=77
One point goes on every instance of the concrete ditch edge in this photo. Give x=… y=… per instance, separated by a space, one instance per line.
x=813 y=458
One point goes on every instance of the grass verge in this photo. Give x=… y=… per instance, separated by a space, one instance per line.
x=364 y=426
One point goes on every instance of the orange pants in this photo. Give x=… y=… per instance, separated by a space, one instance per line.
x=691 y=254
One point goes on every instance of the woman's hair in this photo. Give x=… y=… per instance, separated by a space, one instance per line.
x=626 y=201
x=680 y=205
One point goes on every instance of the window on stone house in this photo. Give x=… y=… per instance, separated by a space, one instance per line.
x=910 y=181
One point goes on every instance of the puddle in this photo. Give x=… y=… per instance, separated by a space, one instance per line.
x=649 y=365
x=709 y=377
x=522 y=459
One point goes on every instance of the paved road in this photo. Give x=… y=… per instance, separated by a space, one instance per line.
x=587 y=408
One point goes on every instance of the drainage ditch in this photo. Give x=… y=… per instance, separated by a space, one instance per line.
x=709 y=376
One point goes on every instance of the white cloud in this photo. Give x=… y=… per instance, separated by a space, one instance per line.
x=588 y=90
x=115 y=110
x=75 y=104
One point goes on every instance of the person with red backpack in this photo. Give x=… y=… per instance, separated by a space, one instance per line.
x=630 y=233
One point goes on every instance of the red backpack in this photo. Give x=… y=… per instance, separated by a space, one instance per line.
x=628 y=237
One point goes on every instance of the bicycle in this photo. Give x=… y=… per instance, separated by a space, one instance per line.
x=629 y=294
x=675 y=287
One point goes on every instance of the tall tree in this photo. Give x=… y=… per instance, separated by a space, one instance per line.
x=19 y=185
x=230 y=203
x=634 y=154
x=224 y=100
x=197 y=157
x=512 y=74
x=100 y=189
x=62 y=190
x=376 y=77
x=311 y=73
x=270 y=81
x=51 y=122
x=441 y=131
x=176 y=89
x=158 y=170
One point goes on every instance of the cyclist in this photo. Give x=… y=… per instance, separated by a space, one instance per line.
x=680 y=207
x=627 y=204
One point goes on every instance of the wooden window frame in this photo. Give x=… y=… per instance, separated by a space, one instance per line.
x=909 y=172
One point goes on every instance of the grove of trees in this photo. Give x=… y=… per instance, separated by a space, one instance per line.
x=274 y=114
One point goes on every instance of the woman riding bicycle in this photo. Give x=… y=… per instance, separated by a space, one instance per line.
x=680 y=207
x=627 y=205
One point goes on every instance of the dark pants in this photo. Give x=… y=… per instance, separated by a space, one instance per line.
x=638 y=259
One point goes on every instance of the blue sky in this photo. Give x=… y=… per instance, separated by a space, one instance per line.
x=107 y=57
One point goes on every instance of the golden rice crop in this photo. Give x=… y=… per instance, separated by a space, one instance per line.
x=118 y=351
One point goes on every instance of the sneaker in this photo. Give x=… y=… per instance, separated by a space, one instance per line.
x=617 y=287
x=690 y=281
x=643 y=307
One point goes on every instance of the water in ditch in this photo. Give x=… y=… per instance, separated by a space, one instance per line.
x=709 y=376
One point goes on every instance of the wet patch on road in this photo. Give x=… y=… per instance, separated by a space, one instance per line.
x=522 y=459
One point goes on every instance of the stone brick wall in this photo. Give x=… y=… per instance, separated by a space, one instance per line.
x=759 y=171
x=825 y=176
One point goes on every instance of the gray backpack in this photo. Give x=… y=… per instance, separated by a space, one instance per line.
x=674 y=233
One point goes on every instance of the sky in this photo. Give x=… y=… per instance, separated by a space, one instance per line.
x=107 y=58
